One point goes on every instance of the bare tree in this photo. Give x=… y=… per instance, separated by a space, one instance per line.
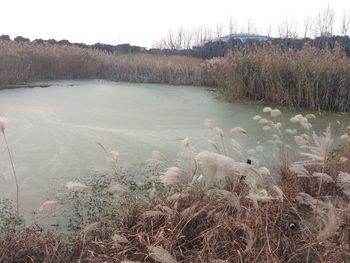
x=232 y=26
x=201 y=35
x=269 y=31
x=249 y=26
x=325 y=22
x=308 y=26
x=345 y=24
x=188 y=39
x=218 y=30
x=288 y=29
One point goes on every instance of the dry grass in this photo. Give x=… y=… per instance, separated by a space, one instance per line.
x=209 y=226
x=310 y=78
x=26 y=62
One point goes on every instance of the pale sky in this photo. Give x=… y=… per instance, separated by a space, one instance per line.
x=142 y=22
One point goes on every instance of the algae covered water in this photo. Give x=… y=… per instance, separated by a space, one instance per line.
x=53 y=131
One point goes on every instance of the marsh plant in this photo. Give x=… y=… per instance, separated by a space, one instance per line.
x=3 y=123
x=308 y=78
x=218 y=205
x=9 y=218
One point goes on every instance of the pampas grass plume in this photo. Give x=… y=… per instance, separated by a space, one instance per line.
x=275 y=113
x=161 y=255
x=239 y=130
x=267 y=109
x=48 y=206
x=76 y=186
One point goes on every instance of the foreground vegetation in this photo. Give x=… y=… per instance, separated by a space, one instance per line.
x=208 y=207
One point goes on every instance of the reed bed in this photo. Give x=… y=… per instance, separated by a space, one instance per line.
x=22 y=62
x=309 y=78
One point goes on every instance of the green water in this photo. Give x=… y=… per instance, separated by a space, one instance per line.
x=52 y=131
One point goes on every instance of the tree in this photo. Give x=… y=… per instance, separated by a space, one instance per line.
x=287 y=29
x=232 y=26
x=345 y=24
x=308 y=26
x=325 y=22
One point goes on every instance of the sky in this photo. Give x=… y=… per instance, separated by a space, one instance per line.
x=142 y=22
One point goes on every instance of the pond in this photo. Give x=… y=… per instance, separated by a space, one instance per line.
x=53 y=131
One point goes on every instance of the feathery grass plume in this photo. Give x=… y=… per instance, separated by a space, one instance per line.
x=259 y=195
x=279 y=192
x=239 y=130
x=345 y=136
x=219 y=131
x=343 y=181
x=157 y=159
x=236 y=146
x=275 y=113
x=263 y=121
x=276 y=126
x=118 y=240
x=305 y=136
x=275 y=136
x=343 y=159
x=48 y=206
x=300 y=140
x=114 y=155
x=299 y=170
x=290 y=131
x=294 y=119
x=76 y=186
x=323 y=176
x=266 y=128
x=331 y=226
x=174 y=176
x=257 y=118
x=161 y=255
x=318 y=154
x=267 y=109
x=264 y=172
x=231 y=198
x=306 y=125
x=185 y=158
x=90 y=228
x=310 y=116
x=185 y=143
x=218 y=166
x=150 y=213
x=115 y=187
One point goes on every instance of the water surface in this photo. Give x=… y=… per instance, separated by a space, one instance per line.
x=52 y=131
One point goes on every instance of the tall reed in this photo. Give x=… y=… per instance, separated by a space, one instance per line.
x=26 y=62
x=310 y=78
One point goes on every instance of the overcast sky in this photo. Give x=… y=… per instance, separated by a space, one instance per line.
x=142 y=22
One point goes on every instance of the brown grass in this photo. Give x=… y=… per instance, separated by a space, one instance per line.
x=310 y=78
x=27 y=62
x=201 y=226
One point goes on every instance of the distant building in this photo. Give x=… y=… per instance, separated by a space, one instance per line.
x=243 y=37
